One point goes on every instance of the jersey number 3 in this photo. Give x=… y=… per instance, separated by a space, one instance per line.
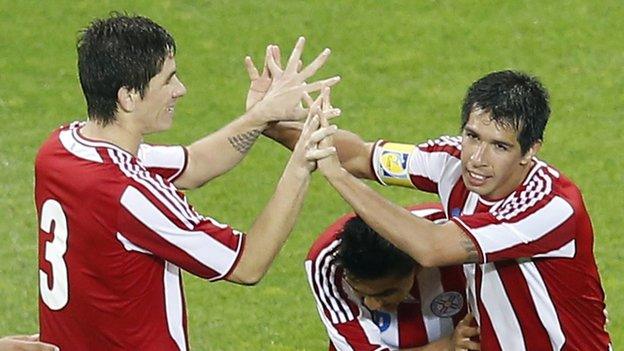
x=56 y=296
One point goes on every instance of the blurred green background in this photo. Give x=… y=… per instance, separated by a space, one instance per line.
x=405 y=67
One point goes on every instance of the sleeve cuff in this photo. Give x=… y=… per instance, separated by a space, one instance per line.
x=466 y=230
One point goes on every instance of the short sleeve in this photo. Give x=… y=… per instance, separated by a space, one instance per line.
x=168 y=161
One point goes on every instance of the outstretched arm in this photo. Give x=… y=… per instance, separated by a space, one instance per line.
x=220 y=151
x=272 y=227
x=428 y=243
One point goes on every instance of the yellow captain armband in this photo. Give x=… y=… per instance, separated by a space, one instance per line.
x=390 y=162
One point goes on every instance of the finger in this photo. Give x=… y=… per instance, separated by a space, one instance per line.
x=265 y=67
x=277 y=55
x=323 y=133
x=318 y=85
x=468 y=344
x=274 y=68
x=251 y=69
x=299 y=65
x=318 y=62
x=332 y=113
x=311 y=123
x=291 y=66
x=318 y=154
x=326 y=105
x=307 y=99
x=469 y=332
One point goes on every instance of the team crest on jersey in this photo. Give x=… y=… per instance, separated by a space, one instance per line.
x=393 y=164
x=447 y=304
x=382 y=320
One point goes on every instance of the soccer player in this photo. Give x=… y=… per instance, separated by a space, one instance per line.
x=115 y=231
x=517 y=223
x=372 y=296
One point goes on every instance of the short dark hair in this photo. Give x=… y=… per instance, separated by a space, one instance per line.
x=364 y=254
x=514 y=99
x=119 y=51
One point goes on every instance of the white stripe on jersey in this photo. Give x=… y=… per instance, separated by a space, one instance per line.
x=365 y=320
x=197 y=244
x=430 y=286
x=129 y=246
x=497 y=237
x=568 y=250
x=496 y=303
x=78 y=150
x=330 y=299
x=173 y=305
x=165 y=197
x=543 y=304
x=338 y=340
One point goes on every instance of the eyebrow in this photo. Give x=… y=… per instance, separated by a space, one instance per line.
x=171 y=75
x=495 y=141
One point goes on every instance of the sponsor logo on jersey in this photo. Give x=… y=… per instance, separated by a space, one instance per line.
x=447 y=304
x=382 y=320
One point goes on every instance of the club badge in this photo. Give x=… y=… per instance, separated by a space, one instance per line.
x=447 y=304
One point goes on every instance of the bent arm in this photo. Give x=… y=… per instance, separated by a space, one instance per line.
x=353 y=152
x=430 y=244
x=217 y=153
x=272 y=227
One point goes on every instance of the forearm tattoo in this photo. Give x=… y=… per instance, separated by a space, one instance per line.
x=243 y=142
x=471 y=250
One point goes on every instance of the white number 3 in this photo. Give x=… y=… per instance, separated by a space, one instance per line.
x=54 y=297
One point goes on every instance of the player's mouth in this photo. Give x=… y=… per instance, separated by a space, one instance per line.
x=476 y=179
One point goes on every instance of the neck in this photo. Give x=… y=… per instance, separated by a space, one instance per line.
x=115 y=133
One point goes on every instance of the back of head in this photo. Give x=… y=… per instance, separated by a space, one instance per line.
x=364 y=254
x=514 y=99
x=119 y=51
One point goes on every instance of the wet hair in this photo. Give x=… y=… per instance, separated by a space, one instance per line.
x=364 y=254
x=119 y=51
x=515 y=100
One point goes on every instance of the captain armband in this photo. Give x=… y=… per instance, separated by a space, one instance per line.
x=390 y=163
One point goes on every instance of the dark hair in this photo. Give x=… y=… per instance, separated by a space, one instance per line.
x=514 y=99
x=364 y=254
x=119 y=51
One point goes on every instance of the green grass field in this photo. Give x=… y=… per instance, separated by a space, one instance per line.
x=405 y=67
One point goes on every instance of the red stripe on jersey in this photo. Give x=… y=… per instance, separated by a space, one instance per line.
x=487 y=335
x=519 y=296
x=424 y=183
x=449 y=145
x=412 y=330
x=355 y=336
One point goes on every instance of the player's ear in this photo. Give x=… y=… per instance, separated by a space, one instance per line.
x=532 y=151
x=126 y=98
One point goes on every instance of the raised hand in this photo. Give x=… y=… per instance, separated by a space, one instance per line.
x=311 y=135
x=282 y=100
x=331 y=163
x=260 y=83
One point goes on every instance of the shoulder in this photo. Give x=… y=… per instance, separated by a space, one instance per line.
x=545 y=189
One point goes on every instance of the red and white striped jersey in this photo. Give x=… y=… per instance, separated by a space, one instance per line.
x=538 y=287
x=433 y=308
x=114 y=233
